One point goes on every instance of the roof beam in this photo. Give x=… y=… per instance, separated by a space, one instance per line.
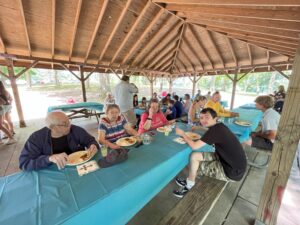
x=160 y=52
x=215 y=47
x=171 y=33
x=53 y=28
x=187 y=58
x=282 y=74
x=113 y=32
x=292 y=35
x=231 y=50
x=184 y=66
x=145 y=32
x=195 y=54
x=99 y=19
x=274 y=24
x=270 y=46
x=233 y=2
x=25 y=26
x=268 y=57
x=200 y=45
x=178 y=43
x=27 y=68
x=164 y=62
x=151 y=40
x=167 y=66
x=75 y=27
x=260 y=13
x=250 y=54
x=132 y=29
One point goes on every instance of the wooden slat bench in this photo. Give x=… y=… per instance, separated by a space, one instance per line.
x=196 y=204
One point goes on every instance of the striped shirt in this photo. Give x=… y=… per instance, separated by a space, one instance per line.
x=113 y=132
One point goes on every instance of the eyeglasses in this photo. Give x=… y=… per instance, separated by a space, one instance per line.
x=64 y=124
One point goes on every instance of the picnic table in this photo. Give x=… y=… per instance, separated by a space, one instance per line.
x=107 y=196
x=79 y=110
x=248 y=106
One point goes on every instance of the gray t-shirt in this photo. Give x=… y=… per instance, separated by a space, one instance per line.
x=270 y=121
x=123 y=95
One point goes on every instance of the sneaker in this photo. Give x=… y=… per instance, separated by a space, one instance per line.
x=180 y=193
x=10 y=141
x=180 y=182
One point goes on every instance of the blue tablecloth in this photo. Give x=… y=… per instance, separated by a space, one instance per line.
x=139 y=112
x=248 y=106
x=67 y=107
x=224 y=103
x=253 y=116
x=106 y=196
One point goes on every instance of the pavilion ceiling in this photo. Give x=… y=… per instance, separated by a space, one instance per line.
x=160 y=37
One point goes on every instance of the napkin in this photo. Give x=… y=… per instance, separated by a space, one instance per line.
x=86 y=168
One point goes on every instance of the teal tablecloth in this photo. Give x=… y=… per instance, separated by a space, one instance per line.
x=107 y=196
x=67 y=107
x=254 y=116
x=248 y=106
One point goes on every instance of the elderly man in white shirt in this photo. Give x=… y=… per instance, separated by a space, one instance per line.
x=265 y=138
x=123 y=95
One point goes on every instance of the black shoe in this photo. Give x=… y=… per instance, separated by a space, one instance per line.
x=180 y=182
x=180 y=193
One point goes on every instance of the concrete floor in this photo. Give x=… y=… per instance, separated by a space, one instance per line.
x=236 y=206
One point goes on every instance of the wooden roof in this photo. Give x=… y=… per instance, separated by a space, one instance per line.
x=163 y=37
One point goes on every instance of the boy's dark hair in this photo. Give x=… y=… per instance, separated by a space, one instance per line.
x=172 y=102
x=210 y=111
x=176 y=97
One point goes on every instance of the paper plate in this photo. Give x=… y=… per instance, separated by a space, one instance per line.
x=126 y=141
x=164 y=129
x=79 y=157
x=192 y=135
x=242 y=123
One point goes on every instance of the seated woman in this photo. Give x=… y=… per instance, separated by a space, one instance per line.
x=109 y=100
x=194 y=112
x=153 y=118
x=143 y=103
x=135 y=100
x=171 y=112
x=113 y=127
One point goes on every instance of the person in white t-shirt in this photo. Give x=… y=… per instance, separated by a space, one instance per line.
x=265 y=138
x=123 y=95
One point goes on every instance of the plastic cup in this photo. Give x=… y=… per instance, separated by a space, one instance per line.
x=104 y=150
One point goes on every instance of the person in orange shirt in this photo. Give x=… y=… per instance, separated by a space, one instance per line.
x=215 y=104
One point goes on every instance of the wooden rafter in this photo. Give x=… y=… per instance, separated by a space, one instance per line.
x=201 y=46
x=182 y=64
x=179 y=43
x=132 y=29
x=250 y=13
x=162 y=55
x=273 y=45
x=232 y=51
x=170 y=34
x=274 y=24
x=75 y=28
x=27 y=68
x=215 y=47
x=249 y=54
x=195 y=54
x=5 y=75
x=143 y=35
x=113 y=32
x=99 y=19
x=87 y=76
x=187 y=58
x=53 y=28
x=66 y=68
x=25 y=26
x=245 y=74
x=292 y=35
x=268 y=57
x=151 y=40
x=232 y=2
x=165 y=62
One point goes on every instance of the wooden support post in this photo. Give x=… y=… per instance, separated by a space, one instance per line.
x=283 y=152
x=234 y=82
x=82 y=81
x=14 y=87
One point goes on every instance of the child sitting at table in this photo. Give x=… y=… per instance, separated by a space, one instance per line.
x=194 y=112
x=171 y=111
x=227 y=163
x=113 y=127
x=143 y=103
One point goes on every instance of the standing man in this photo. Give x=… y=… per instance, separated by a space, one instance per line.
x=265 y=138
x=123 y=95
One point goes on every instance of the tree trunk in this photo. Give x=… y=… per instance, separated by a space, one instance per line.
x=28 y=79
x=57 y=83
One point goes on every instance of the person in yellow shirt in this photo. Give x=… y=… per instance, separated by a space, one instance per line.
x=215 y=104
